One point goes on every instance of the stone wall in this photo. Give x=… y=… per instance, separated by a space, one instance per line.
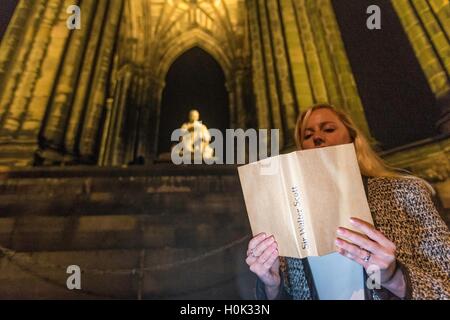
x=160 y=232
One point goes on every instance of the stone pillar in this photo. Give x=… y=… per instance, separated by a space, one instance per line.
x=272 y=81
x=231 y=87
x=137 y=117
x=58 y=110
x=16 y=37
x=310 y=51
x=95 y=105
x=26 y=89
x=435 y=22
x=427 y=25
x=49 y=74
x=106 y=134
x=295 y=45
x=111 y=151
x=344 y=75
x=286 y=89
x=142 y=136
x=299 y=59
x=259 y=73
x=157 y=86
x=54 y=85
x=78 y=107
x=329 y=74
x=117 y=147
x=240 y=111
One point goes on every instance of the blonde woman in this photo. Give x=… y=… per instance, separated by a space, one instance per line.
x=409 y=242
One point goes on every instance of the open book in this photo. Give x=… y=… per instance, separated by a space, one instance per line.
x=303 y=197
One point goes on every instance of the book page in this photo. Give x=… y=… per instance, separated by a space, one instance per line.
x=302 y=204
x=334 y=190
x=267 y=204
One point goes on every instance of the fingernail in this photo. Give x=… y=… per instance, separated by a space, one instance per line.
x=338 y=242
x=340 y=231
x=352 y=221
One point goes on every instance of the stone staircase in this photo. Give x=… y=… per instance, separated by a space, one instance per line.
x=159 y=232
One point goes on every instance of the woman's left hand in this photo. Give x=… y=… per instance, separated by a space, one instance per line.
x=368 y=248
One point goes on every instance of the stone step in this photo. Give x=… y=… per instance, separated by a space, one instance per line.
x=141 y=185
x=125 y=203
x=103 y=218
x=117 y=194
x=40 y=233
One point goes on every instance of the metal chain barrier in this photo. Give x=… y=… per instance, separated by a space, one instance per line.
x=13 y=257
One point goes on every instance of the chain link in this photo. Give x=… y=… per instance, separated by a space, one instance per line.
x=14 y=257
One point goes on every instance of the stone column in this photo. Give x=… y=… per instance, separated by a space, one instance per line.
x=142 y=136
x=231 y=88
x=137 y=117
x=30 y=75
x=58 y=110
x=299 y=68
x=299 y=59
x=26 y=88
x=313 y=62
x=106 y=134
x=258 y=75
x=348 y=89
x=240 y=110
x=15 y=37
x=427 y=25
x=50 y=71
x=271 y=75
x=98 y=94
x=78 y=107
x=435 y=22
x=287 y=95
x=326 y=56
x=111 y=151
x=117 y=146
x=157 y=86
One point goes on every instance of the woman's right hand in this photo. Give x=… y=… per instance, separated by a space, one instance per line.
x=262 y=258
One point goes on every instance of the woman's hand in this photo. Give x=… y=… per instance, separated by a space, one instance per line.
x=262 y=258
x=372 y=248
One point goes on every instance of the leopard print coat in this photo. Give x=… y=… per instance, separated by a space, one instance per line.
x=403 y=210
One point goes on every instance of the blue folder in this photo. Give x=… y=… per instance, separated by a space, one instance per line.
x=337 y=277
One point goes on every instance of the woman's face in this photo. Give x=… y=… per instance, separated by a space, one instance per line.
x=324 y=129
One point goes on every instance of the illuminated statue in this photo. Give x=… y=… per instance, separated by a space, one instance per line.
x=196 y=138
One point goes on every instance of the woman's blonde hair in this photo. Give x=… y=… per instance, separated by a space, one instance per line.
x=370 y=164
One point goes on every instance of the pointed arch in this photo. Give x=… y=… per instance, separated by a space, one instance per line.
x=195 y=38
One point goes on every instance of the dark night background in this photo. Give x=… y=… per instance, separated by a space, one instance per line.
x=6 y=10
x=399 y=104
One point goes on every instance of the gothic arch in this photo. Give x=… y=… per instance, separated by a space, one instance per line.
x=195 y=38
